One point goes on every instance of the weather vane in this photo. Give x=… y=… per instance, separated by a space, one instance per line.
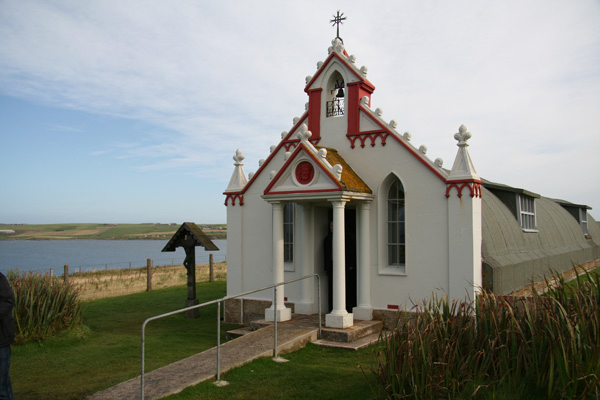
x=338 y=20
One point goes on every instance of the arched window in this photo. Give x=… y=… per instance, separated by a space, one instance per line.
x=396 y=243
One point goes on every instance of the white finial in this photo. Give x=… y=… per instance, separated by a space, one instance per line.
x=352 y=58
x=423 y=149
x=462 y=136
x=272 y=148
x=286 y=155
x=463 y=167
x=308 y=79
x=250 y=175
x=365 y=100
x=238 y=158
x=261 y=162
x=319 y=64
x=338 y=45
x=304 y=134
x=272 y=174
x=323 y=153
x=393 y=124
x=379 y=112
x=238 y=178
x=407 y=136
x=439 y=162
x=283 y=134
x=364 y=70
x=295 y=120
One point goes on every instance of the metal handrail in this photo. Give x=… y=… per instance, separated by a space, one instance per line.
x=218 y=302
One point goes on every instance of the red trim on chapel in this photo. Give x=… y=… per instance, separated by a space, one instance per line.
x=473 y=185
x=372 y=135
x=314 y=113
x=384 y=134
x=233 y=197
x=284 y=142
x=286 y=165
x=343 y=61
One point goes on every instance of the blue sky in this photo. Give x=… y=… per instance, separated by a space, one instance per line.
x=131 y=111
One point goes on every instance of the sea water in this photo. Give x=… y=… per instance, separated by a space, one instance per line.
x=89 y=255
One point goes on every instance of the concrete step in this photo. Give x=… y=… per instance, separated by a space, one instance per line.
x=364 y=341
x=236 y=333
x=358 y=330
x=346 y=335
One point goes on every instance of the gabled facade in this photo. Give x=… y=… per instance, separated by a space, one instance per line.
x=402 y=226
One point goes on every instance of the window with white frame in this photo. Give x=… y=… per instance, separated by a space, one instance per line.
x=527 y=213
x=288 y=233
x=396 y=244
x=583 y=220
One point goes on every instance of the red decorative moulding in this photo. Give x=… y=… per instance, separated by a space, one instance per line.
x=372 y=136
x=305 y=172
x=233 y=197
x=474 y=188
x=292 y=144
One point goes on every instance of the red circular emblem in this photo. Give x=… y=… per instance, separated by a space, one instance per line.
x=305 y=172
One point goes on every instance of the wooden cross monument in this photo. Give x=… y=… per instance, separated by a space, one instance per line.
x=188 y=236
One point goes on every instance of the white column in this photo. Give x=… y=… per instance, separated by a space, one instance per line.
x=339 y=317
x=283 y=313
x=364 y=310
x=304 y=254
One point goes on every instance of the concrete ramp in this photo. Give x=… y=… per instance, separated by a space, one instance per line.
x=175 y=377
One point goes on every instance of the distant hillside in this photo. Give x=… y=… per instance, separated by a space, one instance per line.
x=101 y=231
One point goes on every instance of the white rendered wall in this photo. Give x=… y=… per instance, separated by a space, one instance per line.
x=426 y=227
x=426 y=217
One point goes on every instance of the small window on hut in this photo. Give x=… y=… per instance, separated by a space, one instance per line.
x=527 y=213
x=583 y=222
x=579 y=212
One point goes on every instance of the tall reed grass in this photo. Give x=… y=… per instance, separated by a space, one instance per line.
x=43 y=306
x=473 y=349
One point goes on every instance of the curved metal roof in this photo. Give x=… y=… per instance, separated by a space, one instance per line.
x=516 y=257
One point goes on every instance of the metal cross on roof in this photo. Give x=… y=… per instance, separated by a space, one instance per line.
x=338 y=20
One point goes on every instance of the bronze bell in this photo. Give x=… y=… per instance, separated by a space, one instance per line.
x=340 y=93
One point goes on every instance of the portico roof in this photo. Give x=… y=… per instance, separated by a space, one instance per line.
x=349 y=180
x=315 y=172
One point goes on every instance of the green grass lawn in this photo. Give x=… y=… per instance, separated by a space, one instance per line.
x=311 y=373
x=107 y=350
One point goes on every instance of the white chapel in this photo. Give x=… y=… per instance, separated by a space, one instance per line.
x=345 y=194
